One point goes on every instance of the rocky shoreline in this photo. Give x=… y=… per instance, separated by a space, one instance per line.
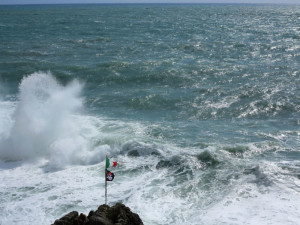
x=119 y=214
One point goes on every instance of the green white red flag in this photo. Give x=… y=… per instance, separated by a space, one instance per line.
x=110 y=164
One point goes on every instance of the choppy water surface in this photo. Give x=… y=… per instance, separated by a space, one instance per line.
x=199 y=104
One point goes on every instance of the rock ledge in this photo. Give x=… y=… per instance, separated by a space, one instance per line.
x=118 y=214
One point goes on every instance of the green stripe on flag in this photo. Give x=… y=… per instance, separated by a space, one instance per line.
x=107 y=162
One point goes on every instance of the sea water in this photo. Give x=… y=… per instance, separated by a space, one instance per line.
x=198 y=104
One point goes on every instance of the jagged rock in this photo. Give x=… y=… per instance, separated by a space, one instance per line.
x=68 y=219
x=82 y=219
x=99 y=221
x=118 y=214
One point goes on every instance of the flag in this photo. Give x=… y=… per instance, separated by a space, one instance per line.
x=109 y=176
x=108 y=163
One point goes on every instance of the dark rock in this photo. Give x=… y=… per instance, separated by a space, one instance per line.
x=207 y=159
x=97 y=220
x=82 y=219
x=67 y=219
x=91 y=213
x=118 y=214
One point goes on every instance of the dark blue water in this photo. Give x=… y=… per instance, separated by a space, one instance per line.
x=208 y=94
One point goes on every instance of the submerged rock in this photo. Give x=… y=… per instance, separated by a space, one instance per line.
x=118 y=214
x=207 y=159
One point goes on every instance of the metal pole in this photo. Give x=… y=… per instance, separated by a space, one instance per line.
x=105 y=188
x=105 y=182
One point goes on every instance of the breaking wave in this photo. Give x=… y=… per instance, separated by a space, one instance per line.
x=46 y=122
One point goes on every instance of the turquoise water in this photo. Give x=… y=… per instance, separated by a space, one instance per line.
x=204 y=99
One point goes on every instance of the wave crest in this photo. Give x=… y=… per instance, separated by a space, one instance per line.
x=46 y=124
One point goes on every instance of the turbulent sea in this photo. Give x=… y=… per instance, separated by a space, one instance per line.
x=198 y=104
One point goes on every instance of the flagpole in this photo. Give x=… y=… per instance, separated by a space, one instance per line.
x=105 y=183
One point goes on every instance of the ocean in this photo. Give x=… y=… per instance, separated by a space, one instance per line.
x=198 y=103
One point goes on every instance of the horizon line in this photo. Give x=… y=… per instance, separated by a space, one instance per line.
x=149 y=3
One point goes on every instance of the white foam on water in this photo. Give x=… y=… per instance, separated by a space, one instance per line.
x=155 y=194
x=31 y=196
x=147 y=191
x=226 y=102
x=41 y=114
x=47 y=122
x=247 y=205
x=254 y=201
x=6 y=110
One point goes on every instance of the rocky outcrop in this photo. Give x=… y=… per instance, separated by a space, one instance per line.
x=67 y=219
x=118 y=214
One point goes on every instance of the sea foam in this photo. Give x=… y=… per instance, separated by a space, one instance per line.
x=47 y=123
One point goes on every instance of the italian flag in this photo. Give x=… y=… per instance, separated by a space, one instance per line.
x=108 y=163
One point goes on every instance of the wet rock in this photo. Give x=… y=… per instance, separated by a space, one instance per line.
x=82 y=219
x=67 y=219
x=207 y=159
x=118 y=214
